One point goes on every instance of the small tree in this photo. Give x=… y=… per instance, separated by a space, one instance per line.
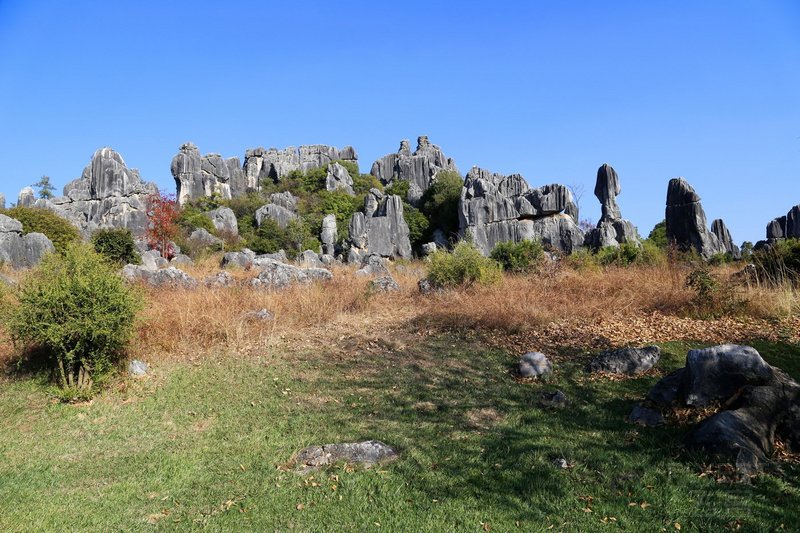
x=45 y=187
x=79 y=311
x=162 y=227
x=116 y=245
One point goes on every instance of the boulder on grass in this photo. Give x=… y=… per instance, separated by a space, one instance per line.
x=366 y=454
x=535 y=365
x=628 y=361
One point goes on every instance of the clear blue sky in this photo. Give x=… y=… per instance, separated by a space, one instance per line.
x=706 y=90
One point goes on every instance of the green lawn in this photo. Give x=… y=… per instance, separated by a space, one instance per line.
x=204 y=446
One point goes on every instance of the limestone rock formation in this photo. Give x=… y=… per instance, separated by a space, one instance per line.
x=686 y=221
x=165 y=277
x=612 y=229
x=494 y=208
x=272 y=164
x=776 y=229
x=785 y=227
x=107 y=195
x=282 y=209
x=277 y=275
x=26 y=197
x=419 y=168
x=201 y=238
x=329 y=235
x=2 y=201
x=338 y=178
x=197 y=176
x=380 y=229
x=224 y=220
x=723 y=235
x=18 y=250
x=628 y=361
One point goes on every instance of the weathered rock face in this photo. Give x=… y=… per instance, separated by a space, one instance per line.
x=272 y=164
x=338 y=178
x=277 y=275
x=628 y=361
x=686 y=220
x=107 y=195
x=612 y=229
x=329 y=235
x=419 y=168
x=535 y=365
x=758 y=402
x=380 y=229
x=18 y=250
x=496 y=208
x=785 y=227
x=2 y=201
x=165 y=277
x=26 y=197
x=197 y=176
x=722 y=233
x=224 y=220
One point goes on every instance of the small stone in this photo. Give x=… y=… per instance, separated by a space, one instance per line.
x=366 y=454
x=138 y=368
x=535 y=365
x=260 y=315
x=221 y=279
x=644 y=416
x=560 y=462
x=425 y=286
x=553 y=400
x=384 y=284
x=628 y=361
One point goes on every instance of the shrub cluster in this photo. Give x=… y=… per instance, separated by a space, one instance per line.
x=77 y=309
x=116 y=245
x=462 y=267
x=520 y=257
x=779 y=263
x=36 y=220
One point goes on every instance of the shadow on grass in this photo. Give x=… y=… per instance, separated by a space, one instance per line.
x=468 y=430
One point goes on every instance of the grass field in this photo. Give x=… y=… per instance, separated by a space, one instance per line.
x=205 y=441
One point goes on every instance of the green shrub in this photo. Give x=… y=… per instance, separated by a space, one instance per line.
x=523 y=256
x=658 y=235
x=399 y=188
x=57 y=229
x=462 y=267
x=79 y=311
x=116 y=245
x=192 y=217
x=440 y=202
x=779 y=263
x=623 y=255
x=418 y=225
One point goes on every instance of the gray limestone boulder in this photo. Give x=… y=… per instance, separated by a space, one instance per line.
x=384 y=284
x=380 y=229
x=535 y=365
x=18 y=250
x=309 y=259
x=494 y=208
x=169 y=277
x=181 y=259
x=669 y=389
x=606 y=189
x=284 y=199
x=224 y=221
x=717 y=373
x=373 y=265
x=686 y=221
x=242 y=259
x=553 y=400
x=612 y=229
x=366 y=454
x=628 y=361
x=646 y=416
x=785 y=227
x=272 y=164
x=201 y=238
x=26 y=197
x=338 y=179
x=429 y=248
x=220 y=280
x=281 y=215
x=138 y=368
x=776 y=229
x=264 y=259
x=2 y=201
x=329 y=235
x=720 y=230
x=278 y=275
x=418 y=169
x=262 y=315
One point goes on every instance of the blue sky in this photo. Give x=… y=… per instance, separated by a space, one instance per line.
x=705 y=90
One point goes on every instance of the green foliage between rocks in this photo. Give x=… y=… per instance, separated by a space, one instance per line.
x=523 y=256
x=462 y=267
x=36 y=220
x=658 y=235
x=116 y=245
x=440 y=202
x=79 y=311
x=779 y=263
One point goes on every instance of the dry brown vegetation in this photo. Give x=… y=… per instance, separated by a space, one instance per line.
x=559 y=309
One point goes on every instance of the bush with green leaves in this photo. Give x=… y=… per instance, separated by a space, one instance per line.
x=78 y=310
x=519 y=257
x=439 y=202
x=658 y=235
x=779 y=263
x=463 y=267
x=36 y=220
x=116 y=245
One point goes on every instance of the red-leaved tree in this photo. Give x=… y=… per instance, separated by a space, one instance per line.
x=162 y=225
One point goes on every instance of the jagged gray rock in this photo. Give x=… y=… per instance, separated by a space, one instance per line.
x=198 y=176
x=329 y=235
x=494 y=208
x=379 y=229
x=277 y=275
x=717 y=373
x=722 y=233
x=201 y=238
x=646 y=416
x=262 y=164
x=181 y=259
x=776 y=229
x=419 y=168
x=242 y=259
x=221 y=279
x=785 y=227
x=309 y=259
x=686 y=221
x=366 y=454
x=107 y=195
x=18 y=250
x=165 y=277
x=282 y=209
x=224 y=221
x=373 y=265
x=138 y=368
x=2 y=201
x=338 y=178
x=553 y=400
x=26 y=197
x=264 y=259
x=628 y=361
x=384 y=284
x=284 y=199
x=612 y=229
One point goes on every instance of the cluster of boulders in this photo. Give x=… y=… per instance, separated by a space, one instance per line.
x=783 y=227
x=379 y=229
x=18 y=250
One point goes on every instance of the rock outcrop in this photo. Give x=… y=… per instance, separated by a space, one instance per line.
x=419 y=168
x=366 y=454
x=2 y=201
x=107 y=195
x=494 y=208
x=380 y=229
x=26 y=197
x=272 y=164
x=686 y=221
x=720 y=230
x=197 y=176
x=785 y=227
x=278 y=275
x=329 y=235
x=628 y=361
x=224 y=220
x=612 y=229
x=18 y=250
x=338 y=179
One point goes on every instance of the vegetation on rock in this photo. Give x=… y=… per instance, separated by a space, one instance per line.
x=36 y=220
